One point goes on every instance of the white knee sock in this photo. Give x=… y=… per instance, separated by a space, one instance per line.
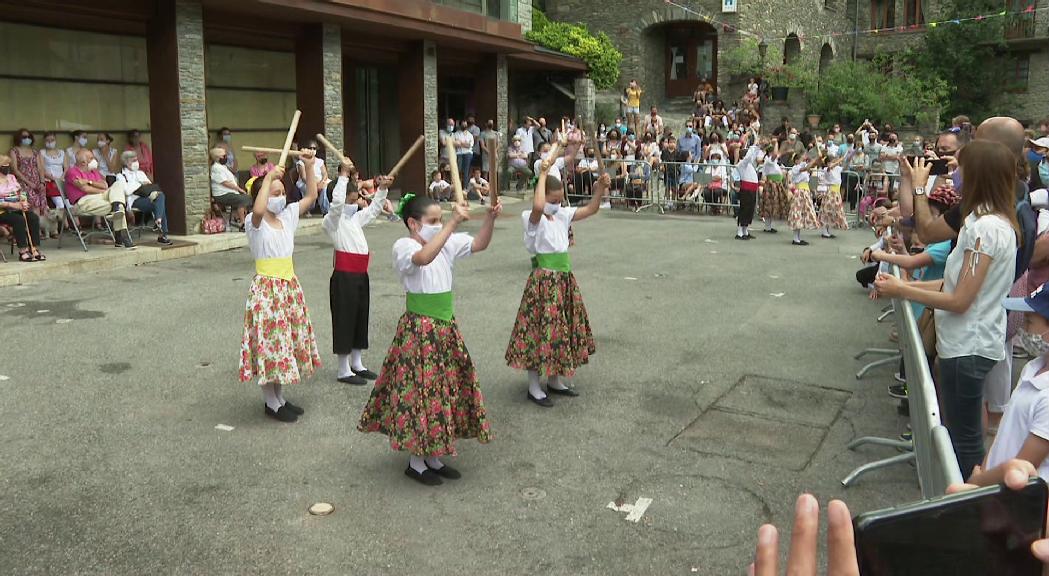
x=739 y=231
x=355 y=361
x=270 y=395
x=768 y=223
x=279 y=393
x=797 y=235
x=344 y=365
x=826 y=230
x=533 y=385
x=434 y=463
x=746 y=230
x=555 y=383
x=417 y=463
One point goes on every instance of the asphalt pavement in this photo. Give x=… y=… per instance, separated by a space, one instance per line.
x=723 y=386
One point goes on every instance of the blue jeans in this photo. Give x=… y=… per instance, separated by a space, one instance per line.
x=464 y=160
x=155 y=207
x=961 y=387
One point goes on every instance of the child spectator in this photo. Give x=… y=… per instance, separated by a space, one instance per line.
x=439 y=189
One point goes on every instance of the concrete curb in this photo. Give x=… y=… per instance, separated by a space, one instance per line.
x=71 y=260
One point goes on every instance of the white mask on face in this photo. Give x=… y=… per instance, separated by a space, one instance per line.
x=551 y=208
x=50 y=145
x=82 y=141
x=429 y=231
x=276 y=204
x=92 y=165
x=134 y=165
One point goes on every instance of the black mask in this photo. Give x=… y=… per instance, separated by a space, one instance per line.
x=5 y=170
x=223 y=159
x=263 y=160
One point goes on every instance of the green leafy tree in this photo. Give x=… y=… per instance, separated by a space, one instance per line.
x=968 y=57
x=576 y=40
x=851 y=91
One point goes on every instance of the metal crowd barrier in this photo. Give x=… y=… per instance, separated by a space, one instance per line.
x=655 y=191
x=930 y=447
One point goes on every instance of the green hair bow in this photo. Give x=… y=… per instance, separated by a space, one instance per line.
x=404 y=202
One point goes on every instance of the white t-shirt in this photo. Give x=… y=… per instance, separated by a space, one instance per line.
x=550 y=235
x=436 y=277
x=1027 y=413
x=219 y=174
x=345 y=224
x=980 y=331
x=476 y=184
x=438 y=187
x=464 y=142
x=269 y=242
x=134 y=179
x=891 y=166
x=526 y=139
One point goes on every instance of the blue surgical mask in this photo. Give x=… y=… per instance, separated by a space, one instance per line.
x=276 y=204
x=1043 y=171
x=27 y=141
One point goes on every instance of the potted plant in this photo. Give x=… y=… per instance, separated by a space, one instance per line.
x=782 y=78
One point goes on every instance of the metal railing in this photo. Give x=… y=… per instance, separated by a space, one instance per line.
x=930 y=447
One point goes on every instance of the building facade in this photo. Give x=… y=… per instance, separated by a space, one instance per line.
x=372 y=75
x=671 y=47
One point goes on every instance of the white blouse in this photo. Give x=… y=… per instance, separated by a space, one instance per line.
x=269 y=242
x=799 y=173
x=771 y=167
x=436 y=277
x=550 y=235
x=55 y=167
x=345 y=223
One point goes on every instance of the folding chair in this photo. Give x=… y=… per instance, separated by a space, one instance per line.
x=74 y=219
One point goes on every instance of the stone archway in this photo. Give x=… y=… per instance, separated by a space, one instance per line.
x=791 y=49
x=657 y=30
x=826 y=58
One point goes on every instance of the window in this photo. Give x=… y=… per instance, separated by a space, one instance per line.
x=1019 y=23
x=883 y=14
x=913 y=15
x=1021 y=72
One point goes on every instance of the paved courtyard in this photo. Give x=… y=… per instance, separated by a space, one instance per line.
x=722 y=387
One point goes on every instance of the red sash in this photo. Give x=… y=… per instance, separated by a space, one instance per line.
x=745 y=186
x=350 y=262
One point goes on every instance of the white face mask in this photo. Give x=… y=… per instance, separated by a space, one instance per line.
x=134 y=165
x=276 y=204
x=50 y=145
x=92 y=165
x=1033 y=343
x=82 y=141
x=551 y=208
x=429 y=231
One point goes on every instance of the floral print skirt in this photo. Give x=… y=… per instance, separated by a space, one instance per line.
x=427 y=395
x=832 y=211
x=802 y=214
x=552 y=332
x=774 y=200
x=278 y=345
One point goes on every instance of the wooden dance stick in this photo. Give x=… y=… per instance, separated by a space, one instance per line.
x=327 y=144
x=457 y=183
x=404 y=159
x=291 y=136
x=600 y=159
x=270 y=150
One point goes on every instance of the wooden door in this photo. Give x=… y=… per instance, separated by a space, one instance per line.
x=691 y=56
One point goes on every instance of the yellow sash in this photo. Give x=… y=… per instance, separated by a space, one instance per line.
x=282 y=268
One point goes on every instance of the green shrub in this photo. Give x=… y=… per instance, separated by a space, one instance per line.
x=850 y=92
x=576 y=40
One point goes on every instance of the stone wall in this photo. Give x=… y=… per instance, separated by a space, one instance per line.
x=524 y=14
x=189 y=23
x=502 y=106
x=429 y=97
x=636 y=28
x=585 y=99
x=333 y=121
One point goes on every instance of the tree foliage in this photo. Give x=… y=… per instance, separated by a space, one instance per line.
x=597 y=51
x=967 y=57
x=851 y=91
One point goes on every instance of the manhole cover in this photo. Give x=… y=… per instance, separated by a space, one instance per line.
x=532 y=493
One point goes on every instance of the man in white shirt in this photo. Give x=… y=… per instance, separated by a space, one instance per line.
x=464 y=148
x=225 y=191
x=143 y=195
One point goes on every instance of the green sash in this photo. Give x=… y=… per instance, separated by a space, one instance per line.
x=439 y=306
x=558 y=262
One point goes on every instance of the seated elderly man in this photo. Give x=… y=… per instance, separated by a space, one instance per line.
x=86 y=189
x=224 y=188
x=143 y=195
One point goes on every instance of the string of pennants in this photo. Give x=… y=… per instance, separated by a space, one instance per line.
x=729 y=28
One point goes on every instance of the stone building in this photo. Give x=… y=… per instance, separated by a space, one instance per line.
x=370 y=74
x=669 y=47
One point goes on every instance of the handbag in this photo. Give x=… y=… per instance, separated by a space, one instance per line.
x=927 y=330
x=213 y=223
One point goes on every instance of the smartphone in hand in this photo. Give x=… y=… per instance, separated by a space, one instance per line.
x=937 y=167
x=984 y=531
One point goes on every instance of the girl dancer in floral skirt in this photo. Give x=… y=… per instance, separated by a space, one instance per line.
x=278 y=346
x=427 y=395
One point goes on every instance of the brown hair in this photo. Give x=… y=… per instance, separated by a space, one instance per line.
x=989 y=170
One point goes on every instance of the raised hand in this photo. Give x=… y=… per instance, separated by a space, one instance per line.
x=495 y=210
x=919 y=171
x=277 y=173
x=460 y=213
